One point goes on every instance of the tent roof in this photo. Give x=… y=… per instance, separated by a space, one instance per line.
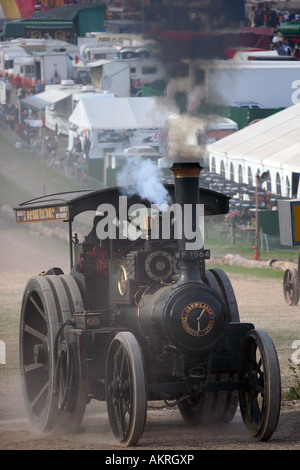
x=273 y=141
x=67 y=12
x=44 y=99
x=94 y=112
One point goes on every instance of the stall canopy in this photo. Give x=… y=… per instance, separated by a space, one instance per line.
x=96 y=113
x=118 y=123
x=44 y=99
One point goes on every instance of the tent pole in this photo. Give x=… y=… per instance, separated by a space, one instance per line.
x=71 y=243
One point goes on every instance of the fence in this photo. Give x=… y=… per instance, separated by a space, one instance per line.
x=244 y=236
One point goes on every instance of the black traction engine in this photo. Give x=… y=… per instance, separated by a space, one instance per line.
x=141 y=319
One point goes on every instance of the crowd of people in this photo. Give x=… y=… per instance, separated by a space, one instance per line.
x=285 y=47
x=24 y=123
x=265 y=16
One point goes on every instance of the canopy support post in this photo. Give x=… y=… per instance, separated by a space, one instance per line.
x=71 y=243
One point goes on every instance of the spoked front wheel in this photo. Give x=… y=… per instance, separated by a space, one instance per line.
x=126 y=389
x=291 y=286
x=261 y=396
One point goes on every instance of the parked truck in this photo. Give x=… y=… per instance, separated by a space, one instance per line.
x=272 y=84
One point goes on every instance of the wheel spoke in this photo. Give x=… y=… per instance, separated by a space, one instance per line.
x=120 y=418
x=39 y=395
x=34 y=332
x=123 y=362
x=255 y=411
x=32 y=367
x=38 y=308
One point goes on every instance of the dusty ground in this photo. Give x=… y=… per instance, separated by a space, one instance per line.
x=23 y=255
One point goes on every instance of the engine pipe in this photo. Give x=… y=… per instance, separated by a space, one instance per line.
x=186 y=185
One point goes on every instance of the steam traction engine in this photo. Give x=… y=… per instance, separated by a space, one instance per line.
x=289 y=228
x=140 y=320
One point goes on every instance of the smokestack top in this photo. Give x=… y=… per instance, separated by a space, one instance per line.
x=186 y=169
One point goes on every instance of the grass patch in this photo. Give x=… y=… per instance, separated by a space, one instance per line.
x=293 y=393
x=248 y=272
x=11 y=193
x=222 y=245
x=24 y=176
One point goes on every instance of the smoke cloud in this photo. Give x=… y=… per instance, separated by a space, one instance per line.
x=145 y=177
x=186 y=141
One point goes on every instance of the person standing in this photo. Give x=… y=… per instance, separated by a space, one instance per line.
x=86 y=147
x=18 y=82
x=78 y=148
x=8 y=90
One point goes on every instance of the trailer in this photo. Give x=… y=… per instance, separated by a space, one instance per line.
x=7 y=57
x=271 y=83
x=52 y=66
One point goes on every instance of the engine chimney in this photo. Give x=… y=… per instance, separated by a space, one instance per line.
x=186 y=185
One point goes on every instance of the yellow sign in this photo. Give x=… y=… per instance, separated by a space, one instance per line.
x=296 y=215
x=44 y=214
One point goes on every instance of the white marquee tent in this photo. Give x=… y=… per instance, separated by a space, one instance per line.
x=58 y=103
x=117 y=123
x=272 y=144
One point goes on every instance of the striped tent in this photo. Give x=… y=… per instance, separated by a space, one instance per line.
x=12 y=9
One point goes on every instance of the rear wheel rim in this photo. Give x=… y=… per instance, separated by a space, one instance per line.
x=39 y=324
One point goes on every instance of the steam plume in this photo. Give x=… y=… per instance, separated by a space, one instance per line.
x=145 y=176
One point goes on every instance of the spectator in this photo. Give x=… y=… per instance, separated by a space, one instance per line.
x=291 y=16
x=86 y=147
x=78 y=147
x=275 y=41
x=21 y=93
x=284 y=48
x=297 y=50
x=52 y=145
x=258 y=19
x=8 y=90
x=18 y=82
x=39 y=86
x=273 y=20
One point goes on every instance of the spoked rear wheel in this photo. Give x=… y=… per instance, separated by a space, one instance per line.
x=53 y=391
x=126 y=389
x=260 y=399
x=39 y=324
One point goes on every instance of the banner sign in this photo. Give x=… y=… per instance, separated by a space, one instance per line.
x=44 y=214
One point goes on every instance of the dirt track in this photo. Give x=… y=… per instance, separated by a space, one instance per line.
x=22 y=256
